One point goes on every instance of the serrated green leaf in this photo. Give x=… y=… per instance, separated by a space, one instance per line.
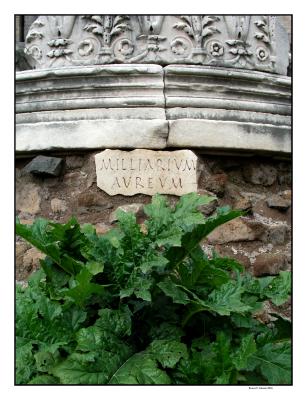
x=25 y=362
x=44 y=379
x=187 y=208
x=78 y=369
x=156 y=262
x=48 y=309
x=168 y=352
x=158 y=211
x=73 y=318
x=192 y=309
x=88 y=229
x=70 y=265
x=83 y=288
x=190 y=240
x=127 y=222
x=114 y=236
x=212 y=276
x=169 y=237
x=222 y=347
x=92 y=339
x=116 y=321
x=166 y=331
x=279 y=289
x=36 y=278
x=126 y=292
x=227 y=299
x=223 y=379
x=94 y=267
x=243 y=321
x=138 y=285
x=245 y=351
x=100 y=351
x=140 y=369
x=55 y=275
x=45 y=360
x=274 y=362
x=56 y=241
x=226 y=263
x=143 y=294
x=36 y=233
x=203 y=271
x=172 y=290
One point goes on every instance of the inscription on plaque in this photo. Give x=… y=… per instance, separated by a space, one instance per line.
x=147 y=172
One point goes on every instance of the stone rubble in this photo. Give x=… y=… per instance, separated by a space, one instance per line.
x=42 y=165
x=280 y=201
x=58 y=206
x=260 y=174
x=269 y=264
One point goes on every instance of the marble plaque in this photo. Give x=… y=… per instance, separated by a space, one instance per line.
x=147 y=172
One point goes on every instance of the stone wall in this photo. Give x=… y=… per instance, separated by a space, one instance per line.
x=262 y=186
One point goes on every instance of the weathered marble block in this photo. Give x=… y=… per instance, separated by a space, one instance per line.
x=147 y=172
x=152 y=107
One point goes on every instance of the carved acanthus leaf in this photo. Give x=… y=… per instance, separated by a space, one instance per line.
x=186 y=18
x=120 y=18
x=38 y=24
x=263 y=37
x=95 y=24
x=209 y=31
x=33 y=35
x=264 y=34
x=207 y=28
x=198 y=27
x=98 y=30
x=120 y=28
x=97 y=18
x=260 y=23
x=208 y=19
x=101 y=24
x=184 y=27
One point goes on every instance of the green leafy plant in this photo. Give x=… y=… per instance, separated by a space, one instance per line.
x=146 y=306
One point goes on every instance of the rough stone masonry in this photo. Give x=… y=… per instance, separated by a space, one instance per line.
x=261 y=240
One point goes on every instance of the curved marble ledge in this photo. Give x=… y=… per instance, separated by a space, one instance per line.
x=148 y=106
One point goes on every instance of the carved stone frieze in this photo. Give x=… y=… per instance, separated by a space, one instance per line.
x=249 y=42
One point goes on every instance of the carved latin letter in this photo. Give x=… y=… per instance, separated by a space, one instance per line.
x=138 y=180
x=127 y=184
x=179 y=183
x=106 y=165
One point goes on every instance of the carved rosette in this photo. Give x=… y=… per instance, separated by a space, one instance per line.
x=249 y=42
